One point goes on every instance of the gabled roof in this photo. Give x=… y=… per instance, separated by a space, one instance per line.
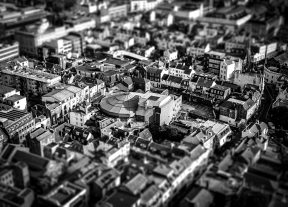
x=248 y=104
x=142 y=143
x=187 y=71
x=154 y=70
x=140 y=80
x=128 y=81
x=59 y=95
x=6 y=89
x=202 y=82
x=137 y=184
x=175 y=79
x=15 y=98
x=145 y=134
x=220 y=88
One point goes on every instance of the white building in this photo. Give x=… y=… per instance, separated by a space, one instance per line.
x=243 y=79
x=189 y=13
x=143 y=5
x=198 y=48
x=17 y=101
x=237 y=42
x=12 y=97
x=61 y=46
x=234 y=17
x=171 y=54
x=115 y=151
x=6 y=92
x=271 y=74
x=221 y=131
x=97 y=88
x=161 y=19
x=67 y=97
x=181 y=70
x=81 y=114
x=227 y=68
x=263 y=50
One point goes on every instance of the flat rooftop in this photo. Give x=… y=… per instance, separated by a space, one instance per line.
x=12 y=114
x=32 y=74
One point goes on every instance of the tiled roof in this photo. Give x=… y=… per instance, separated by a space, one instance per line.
x=121 y=198
x=175 y=79
x=13 y=114
x=59 y=94
x=15 y=98
x=220 y=88
x=5 y=89
x=202 y=82
x=154 y=70
x=137 y=184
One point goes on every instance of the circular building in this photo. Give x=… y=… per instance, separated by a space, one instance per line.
x=122 y=105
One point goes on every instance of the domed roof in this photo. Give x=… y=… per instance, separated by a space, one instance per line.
x=120 y=104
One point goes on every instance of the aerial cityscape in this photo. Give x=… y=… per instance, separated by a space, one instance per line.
x=143 y=103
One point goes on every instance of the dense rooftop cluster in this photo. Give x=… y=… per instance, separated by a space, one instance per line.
x=143 y=103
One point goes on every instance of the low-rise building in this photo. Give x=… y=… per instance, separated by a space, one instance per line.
x=114 y=150
x=231 y=17
x=81 y=114
x=189 y=11
x=171 y=82
x=59 y=46
x=28 y=81
x=234 y=111
x=227 y=69
x=12 y=196
x=143 y=5
x=203 y=85
x=242 y=79
x=180 y=70
x=38 y=139
x=67 y=194
x=6 y=92
x=149 y=107
x=16 y=123
x=213 y=61
x=219 y=92
x=170 y=55
x=198 y=47
x=60 y=102
x=17 y=101
x=154 y=75
x=117 y=10
x=271 y=74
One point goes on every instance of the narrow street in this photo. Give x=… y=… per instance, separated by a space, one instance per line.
x=263 y=114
